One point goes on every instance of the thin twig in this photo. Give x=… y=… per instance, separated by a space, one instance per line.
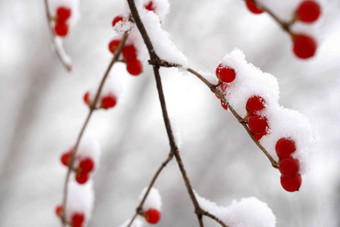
x=57 y=47
x=92 y=108
x=152 y=182
x=206 y=213
x=284 y=25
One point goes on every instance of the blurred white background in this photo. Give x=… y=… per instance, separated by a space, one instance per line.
x=42 y=112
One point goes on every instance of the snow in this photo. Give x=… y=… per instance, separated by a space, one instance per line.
x=112 y=86
x=80 y=199
x=60 y=47
x=160 y=39
x=135 y=223
x=152 y=201
x=176 y=132
x=248 y=212
x=88 y=148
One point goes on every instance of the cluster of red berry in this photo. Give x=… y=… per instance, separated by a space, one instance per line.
x=129 y=52
x=106 y=102
x=304 y=46
x=85 y=167
x=258 y=125
x=62 y=15
x=288 y=166
x=152 y=216
x=77 y=220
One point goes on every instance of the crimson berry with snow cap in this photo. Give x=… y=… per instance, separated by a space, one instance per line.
x=289 y=166
x=304 y=46
x=258 y=124
x=285 y=147
x=150 y=6
x=116 y=20
x=63 y=13
x=152 y=216
x=134 y=67
x=291 y=183
x=255 y=104
x=225 y=74
x=61 y=29
x=108 y=101
x=308 y=11
x=253 y=8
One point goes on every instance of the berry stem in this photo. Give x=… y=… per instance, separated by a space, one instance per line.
x=57 y=47
x=81 y=133
x=284 y=25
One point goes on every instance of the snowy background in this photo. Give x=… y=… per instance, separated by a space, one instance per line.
x=42 y=112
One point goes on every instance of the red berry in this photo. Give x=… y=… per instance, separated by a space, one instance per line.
x=255 y=104
x=134 y=67
x=289 y=166
x=116 y=20
x=225 y=73
x=129 y=52
x=66 y=158
x=224 y=105
x=113 y=45
x=82 y=176
x=253 y=8
x=291 y=183
x=87 y=98
x=61 y=29
x=86 y=165
x=78 y=219
x=304 y=46
x=284 y=147
x=150 y=6
x=258 y=136
x=308 y=11
x=258 y=124
x=58 y=210
x=152 y=216
x=63 y=13
x=108 y=101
